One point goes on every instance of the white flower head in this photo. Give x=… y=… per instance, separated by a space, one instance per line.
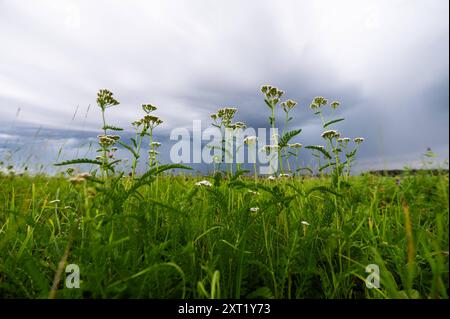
x=203 y=183
x=331 y=134
x=358 y=140
x=305 y=223
x=254 y=209
x=271 y=178
x=250 y=140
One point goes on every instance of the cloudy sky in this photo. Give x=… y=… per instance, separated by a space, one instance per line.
x=385 y=61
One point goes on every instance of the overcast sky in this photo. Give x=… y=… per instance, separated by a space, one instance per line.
x=385 y=61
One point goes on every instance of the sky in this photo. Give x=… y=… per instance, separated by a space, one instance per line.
x=386 y=61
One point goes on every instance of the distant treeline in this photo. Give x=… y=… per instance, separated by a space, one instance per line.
x=396 y=172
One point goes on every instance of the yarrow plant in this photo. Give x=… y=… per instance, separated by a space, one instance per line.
x=272 y=96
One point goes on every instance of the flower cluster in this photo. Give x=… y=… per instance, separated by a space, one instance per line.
x=107 y=140
x=288 y=105
x=318 y=102
x=80 y=178
x=105 y=99
x=268 y=148
x=203 y=183
x=152 y=155
x=155 y=144
x=331 y=134
x=225 y=115
x=250 y=140
x=148 y=121
x=358 y=140
x=335 y=104
x=272 y=94
x=237 y=125
x=148 y=108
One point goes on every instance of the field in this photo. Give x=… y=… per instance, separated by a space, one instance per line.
x=299 y=232
x=179 y=240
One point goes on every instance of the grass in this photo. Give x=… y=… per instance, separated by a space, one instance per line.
x=178 y=240
x=231 y=235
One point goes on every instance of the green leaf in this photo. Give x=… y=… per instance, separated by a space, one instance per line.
x=135 y=154
x=268 y=103
x=112 y=128
x=238 y=173
x=134 y=142
x=322 y=189
x=305 y=169
x=158 y=170
x=351 y=154
x=79 y=161
x=320 y=149
x=287 y=137
x=325 y=166
x=332 y=122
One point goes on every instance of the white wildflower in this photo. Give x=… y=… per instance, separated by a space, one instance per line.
x=253 y=192
x=250 y=140
x=331 y=134
x=203 y=183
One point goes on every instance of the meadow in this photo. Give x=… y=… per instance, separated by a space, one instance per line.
x=304 y=233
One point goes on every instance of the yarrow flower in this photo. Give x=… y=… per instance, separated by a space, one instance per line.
x=331 y=134
x=249 y=140
x=305 y=223
x=285 y=175
x=343 y=140
x=318 y=102
x=237 y=125
x=148 y=108
x=105 y=99
x=203 y=183
x=80 y=178
x=271 y=178
x=288 y=105
x=335 y=104
x=268 y=148
x=272 y=94
x=254 y=209
x=155 y=144
x=107 y=140
x=358 y=140
x=226 y=115
x=148 y=121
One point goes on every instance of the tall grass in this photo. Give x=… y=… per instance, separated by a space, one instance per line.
x=232 y=235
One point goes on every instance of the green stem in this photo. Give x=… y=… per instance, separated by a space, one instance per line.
x=105 y=157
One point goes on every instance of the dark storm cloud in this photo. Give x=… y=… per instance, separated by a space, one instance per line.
x=385 y=61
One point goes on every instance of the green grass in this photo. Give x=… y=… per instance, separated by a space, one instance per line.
x=173 y=239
